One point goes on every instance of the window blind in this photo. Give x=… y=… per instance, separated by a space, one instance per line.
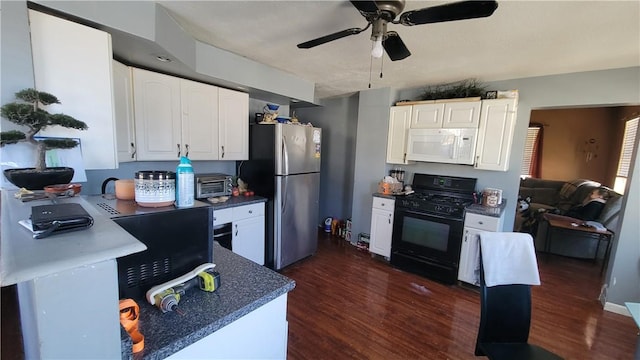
x=529 y=145
x=629 y=139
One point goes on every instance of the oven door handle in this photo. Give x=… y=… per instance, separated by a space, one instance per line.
x=421 y=214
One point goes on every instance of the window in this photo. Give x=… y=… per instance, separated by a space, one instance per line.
x=531 y=153
x=628 y=141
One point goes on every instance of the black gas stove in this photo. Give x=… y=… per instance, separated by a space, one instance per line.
x=428 y=226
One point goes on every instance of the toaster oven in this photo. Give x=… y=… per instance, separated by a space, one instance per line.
x=212 y=185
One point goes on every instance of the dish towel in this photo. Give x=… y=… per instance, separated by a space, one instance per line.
x=508 y=258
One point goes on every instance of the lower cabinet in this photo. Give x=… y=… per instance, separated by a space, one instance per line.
x=247 y=223
x=261 y=334
x=474 y=225
x=381 y=226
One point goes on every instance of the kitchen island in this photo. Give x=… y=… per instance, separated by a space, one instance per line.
x=68 y=294
x=245 y=318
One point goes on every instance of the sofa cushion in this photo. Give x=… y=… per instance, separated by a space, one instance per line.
x=609 y=214
x=547 y=196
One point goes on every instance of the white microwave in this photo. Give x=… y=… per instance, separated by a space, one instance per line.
x=451 y=146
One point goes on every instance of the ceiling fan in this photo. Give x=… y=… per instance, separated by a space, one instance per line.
x=379 y=13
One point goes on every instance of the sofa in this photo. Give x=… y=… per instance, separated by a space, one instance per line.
x=557 y=197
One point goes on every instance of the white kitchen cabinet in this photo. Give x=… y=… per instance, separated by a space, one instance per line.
x=448 y=115
x=156 y=99
x=73 y=62
x=234 y=125
x=247 y=222
x=495 y=134
x=248 y=232
x=178 y=117
x=399 y=121
x=123 y=112
x=174 y=117
x=381 y=226
x=199 y=104
x=474 y=225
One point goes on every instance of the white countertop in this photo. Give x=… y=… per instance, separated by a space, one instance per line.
x=24 y=258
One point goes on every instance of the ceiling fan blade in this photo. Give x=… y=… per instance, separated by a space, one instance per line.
x=394 y=46
x=325 y=39
x=449 y=12
x=365 y=6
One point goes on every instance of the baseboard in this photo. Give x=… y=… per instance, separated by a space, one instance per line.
x=618 y=309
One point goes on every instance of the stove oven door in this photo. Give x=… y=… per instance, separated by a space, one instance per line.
x=426 y=237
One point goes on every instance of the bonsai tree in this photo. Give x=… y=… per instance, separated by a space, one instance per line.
x=28 y=112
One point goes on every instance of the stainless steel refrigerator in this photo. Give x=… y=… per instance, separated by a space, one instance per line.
x=284 y=167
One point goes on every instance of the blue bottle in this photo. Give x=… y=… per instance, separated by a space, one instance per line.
x=184 y=183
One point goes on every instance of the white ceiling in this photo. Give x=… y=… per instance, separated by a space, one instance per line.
x=521 y=39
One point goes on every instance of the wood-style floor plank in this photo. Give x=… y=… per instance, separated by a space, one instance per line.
x=348 y=304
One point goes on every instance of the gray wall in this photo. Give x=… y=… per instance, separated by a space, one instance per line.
x=371 y=150
x=597 y=88
x=338 y=118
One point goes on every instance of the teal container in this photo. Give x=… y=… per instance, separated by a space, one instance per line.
x=184 y=184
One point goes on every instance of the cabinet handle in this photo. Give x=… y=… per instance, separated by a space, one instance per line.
x=222 y=151
x=178 y=150
x=389 y=218
x=133 y=151
x=236 y=229
x=187 y=147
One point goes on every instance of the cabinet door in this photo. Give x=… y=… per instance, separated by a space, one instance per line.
x=381 y=230
x=495 y=134
x=156 y=99
x=123 y=107
x=469 y=269
x=248 y=239
x=234 y=125
x=427 y=116
x=199 y=104
x=399 y=120
x=73 y=62
x=458 y=115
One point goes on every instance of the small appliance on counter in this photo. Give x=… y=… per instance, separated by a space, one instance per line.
x=177 y=241
x=213 y=185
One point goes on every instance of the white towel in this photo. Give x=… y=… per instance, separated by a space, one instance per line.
x=508 y=258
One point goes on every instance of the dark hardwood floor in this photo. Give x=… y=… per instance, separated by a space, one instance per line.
x=350 y=305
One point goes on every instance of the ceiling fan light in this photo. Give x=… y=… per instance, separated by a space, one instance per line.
x=377 y=50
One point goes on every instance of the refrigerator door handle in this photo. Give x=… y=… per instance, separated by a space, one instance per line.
x=285 y=185
x=285 y=156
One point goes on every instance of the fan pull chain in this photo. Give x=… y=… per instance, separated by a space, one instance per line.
x=370 y=69
x=381 y=66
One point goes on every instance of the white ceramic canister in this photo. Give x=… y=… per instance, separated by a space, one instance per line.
x=155 y=188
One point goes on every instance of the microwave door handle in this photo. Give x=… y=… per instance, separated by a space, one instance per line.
x=454 y=152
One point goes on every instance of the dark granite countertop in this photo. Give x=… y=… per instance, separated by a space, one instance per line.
x=236 y=201
x=244 y=287
x=486 y=210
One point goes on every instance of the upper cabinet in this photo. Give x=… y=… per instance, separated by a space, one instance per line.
x=234 y=126
x=177 y=117
x=449 y=115
x=495 y=135
x=399 y=121
x=475 y=133
x=73 y=62
x=123 y=111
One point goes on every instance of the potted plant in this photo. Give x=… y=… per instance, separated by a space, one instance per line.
x=28 y=112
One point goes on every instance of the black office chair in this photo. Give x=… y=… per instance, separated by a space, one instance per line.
x=505 y=318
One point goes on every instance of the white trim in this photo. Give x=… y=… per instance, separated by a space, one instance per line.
x=618 y=309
